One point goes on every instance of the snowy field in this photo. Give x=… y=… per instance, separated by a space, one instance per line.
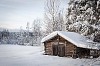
x=15 y=55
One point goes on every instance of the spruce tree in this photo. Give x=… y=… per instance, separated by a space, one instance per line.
x=83 y=16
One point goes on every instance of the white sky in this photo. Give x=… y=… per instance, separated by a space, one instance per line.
x=16 y=13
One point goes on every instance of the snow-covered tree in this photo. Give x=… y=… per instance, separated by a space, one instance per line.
x=13 y=37
x=83 y=16
x=0 y=37
x=53 y=16
x=5 y=36
x=36 y=29
x=26 y=34
x=21 y=37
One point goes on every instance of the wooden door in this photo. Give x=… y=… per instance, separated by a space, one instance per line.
x=55 y=50
x=61 y=50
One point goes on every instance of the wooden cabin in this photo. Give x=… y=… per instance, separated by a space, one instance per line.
x=69 y=44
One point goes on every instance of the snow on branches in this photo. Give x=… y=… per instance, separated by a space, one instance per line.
x=83 y=16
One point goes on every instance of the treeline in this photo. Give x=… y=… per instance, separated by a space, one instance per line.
x=29 y=36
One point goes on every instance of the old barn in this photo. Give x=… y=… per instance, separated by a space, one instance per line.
x=69 y=44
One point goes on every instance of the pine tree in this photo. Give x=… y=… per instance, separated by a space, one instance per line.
x=5 y=36
x=83 y=16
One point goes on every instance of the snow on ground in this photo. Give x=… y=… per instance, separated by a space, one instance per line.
x=16 y=55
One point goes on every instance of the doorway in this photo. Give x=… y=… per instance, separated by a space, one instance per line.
x=55 y=50
x=59 y=50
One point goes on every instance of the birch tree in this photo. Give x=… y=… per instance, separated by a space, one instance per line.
x=53 y=16
x=36 y=28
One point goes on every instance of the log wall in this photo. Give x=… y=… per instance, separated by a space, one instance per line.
x=48 y=48
x=70 y=49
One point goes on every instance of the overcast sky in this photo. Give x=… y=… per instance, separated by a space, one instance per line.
x=16 y=13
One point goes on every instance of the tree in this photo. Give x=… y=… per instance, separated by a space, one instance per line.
x=53 y=16
x=26 y=33
x=24 y=36
x=83 y=16
x=21 y=37
x=0 y=36
x=5 y=36
x=36 y=28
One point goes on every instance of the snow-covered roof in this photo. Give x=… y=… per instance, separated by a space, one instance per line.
x=75 y=38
